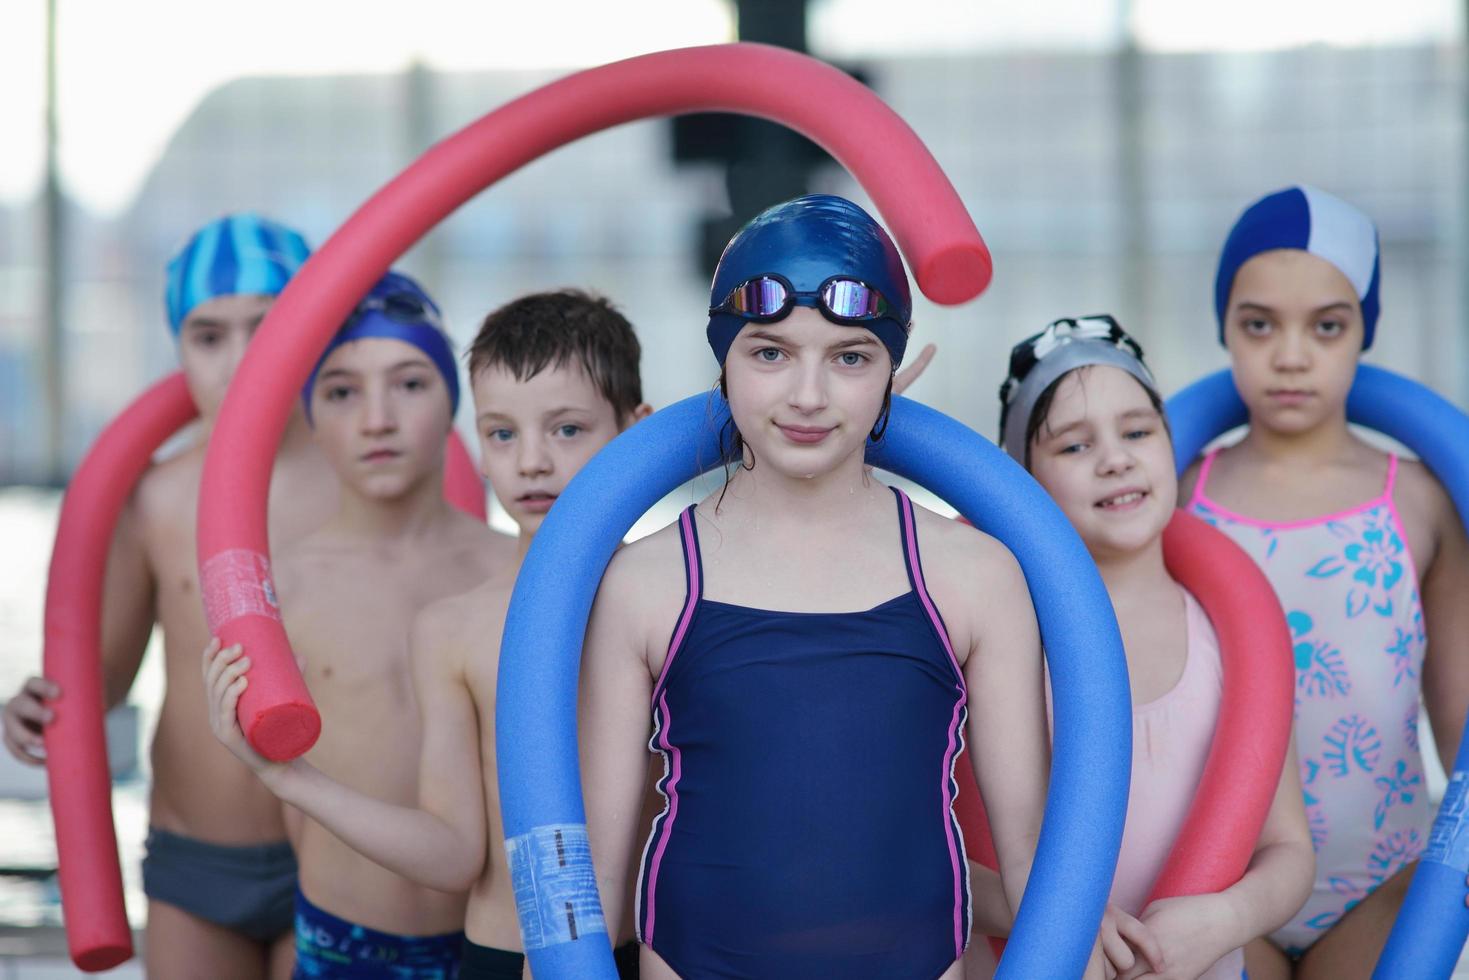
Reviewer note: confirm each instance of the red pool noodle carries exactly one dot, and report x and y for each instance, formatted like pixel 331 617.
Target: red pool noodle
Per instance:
pixel 1252 735
pixel 463 486
pixel 97 931
pixel 929 222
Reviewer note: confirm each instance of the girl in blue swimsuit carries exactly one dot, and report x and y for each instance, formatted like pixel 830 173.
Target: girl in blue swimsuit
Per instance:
pixel 808 651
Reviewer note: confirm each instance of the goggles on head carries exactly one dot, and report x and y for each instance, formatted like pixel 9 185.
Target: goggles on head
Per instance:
pixel 1058 334
pixel 769 297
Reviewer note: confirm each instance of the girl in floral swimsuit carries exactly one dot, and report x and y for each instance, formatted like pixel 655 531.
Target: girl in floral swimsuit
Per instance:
pixel 1366 554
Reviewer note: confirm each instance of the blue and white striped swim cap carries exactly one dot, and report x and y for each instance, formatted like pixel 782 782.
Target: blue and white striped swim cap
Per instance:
pixel 239 254
pixel 1312 221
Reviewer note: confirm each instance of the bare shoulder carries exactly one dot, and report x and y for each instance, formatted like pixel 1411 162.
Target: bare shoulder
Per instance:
pixel 644 585
pixel 446 631
pixel 1419 489
pixel 484 549
pixel 168 491
pixel 651 561
pixel 1424 502
pixel 960 550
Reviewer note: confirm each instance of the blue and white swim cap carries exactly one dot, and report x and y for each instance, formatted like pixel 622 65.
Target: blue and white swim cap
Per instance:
pixel 1312 221
pixel 396 308
pixel 239 254
pixel 808 243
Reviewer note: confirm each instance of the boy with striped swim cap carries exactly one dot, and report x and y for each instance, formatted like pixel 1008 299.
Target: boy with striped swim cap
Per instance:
pixel 219 874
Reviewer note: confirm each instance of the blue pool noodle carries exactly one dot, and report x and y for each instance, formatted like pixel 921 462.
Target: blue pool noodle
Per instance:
pixel 1429 933
pixel 535 718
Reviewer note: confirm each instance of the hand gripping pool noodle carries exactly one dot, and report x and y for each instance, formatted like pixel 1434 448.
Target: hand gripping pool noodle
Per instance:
pixel 541 651
pixel 1216 841
pixel 97 932
pixel 76 747
pixel 923 210
pixel 1433 922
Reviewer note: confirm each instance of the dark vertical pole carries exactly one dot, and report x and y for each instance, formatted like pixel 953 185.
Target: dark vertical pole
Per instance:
pixel 53 373
pixel 1131 167
pixel 419 132
pixel 771 166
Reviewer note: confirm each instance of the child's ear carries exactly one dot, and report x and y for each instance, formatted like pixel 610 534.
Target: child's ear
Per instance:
pixel 635 416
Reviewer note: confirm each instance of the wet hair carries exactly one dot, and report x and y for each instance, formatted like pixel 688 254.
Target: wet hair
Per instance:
pixel 555 329
pixel 1042 409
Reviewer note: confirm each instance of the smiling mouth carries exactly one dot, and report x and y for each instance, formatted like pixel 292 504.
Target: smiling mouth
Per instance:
pixel 805 433
pixel 1122 500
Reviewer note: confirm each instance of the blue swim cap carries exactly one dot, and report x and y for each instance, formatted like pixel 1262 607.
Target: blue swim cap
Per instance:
pixel 239 254
pixel 396 308
pixel 1312 221
pixel 807 241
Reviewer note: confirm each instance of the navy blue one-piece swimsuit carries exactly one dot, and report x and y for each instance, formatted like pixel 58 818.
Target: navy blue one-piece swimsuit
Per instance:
pixel 809 828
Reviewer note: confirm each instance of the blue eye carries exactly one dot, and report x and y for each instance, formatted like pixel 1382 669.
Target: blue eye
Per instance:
pixel 568 430
pixel 499 435
pixel 769 354
pixel 852 358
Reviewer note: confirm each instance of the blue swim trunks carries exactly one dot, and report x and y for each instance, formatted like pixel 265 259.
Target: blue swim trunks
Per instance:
pixel 329 948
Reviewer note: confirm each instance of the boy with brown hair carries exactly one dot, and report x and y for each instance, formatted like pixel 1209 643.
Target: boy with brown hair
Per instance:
pixel 555 378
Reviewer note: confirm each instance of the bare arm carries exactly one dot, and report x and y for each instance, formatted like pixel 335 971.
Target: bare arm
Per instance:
pixel 129 594
pixel 614 720
pixel 441 842
pixel 1007 720
pixel 1445 588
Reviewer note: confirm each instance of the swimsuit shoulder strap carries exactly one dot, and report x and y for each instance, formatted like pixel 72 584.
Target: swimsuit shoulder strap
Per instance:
pixel 1199 496
pixel 908 529
pixel 688 536
pixel 1392 476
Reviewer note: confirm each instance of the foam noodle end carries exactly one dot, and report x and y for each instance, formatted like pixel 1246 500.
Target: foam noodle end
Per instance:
pixel 95 959
pixel 284 731
pixel 956 273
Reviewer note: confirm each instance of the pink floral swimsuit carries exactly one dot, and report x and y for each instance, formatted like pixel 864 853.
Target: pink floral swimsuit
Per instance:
pixel 1349 588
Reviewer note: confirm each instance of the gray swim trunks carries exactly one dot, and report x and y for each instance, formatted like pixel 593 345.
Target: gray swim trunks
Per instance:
pixel 248 889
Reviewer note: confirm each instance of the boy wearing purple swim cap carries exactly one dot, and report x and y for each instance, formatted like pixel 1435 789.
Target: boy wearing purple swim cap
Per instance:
pixel 1365 553
pixel 219 874
pixel 555 378
pixel 381 404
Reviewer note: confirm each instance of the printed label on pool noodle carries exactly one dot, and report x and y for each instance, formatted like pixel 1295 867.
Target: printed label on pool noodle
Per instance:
pixel 237 583
pixel 555 887
pixel 1448 841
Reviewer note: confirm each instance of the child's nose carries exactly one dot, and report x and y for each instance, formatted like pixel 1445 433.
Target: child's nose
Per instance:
pixel 533 459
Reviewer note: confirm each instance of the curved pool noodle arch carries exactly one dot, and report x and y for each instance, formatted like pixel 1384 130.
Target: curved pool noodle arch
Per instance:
pixel 934 231
pixel 97 932
pixel 1214 846
pixel 1429 934
pixel 540 656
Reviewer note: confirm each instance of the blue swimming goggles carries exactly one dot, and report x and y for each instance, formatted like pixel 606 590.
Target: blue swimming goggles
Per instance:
pixel 770 297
